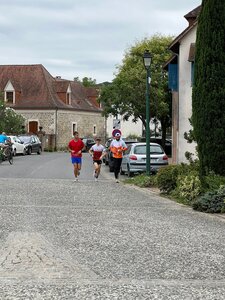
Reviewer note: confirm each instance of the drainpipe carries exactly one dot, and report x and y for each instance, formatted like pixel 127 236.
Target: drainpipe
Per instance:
pixel 56 127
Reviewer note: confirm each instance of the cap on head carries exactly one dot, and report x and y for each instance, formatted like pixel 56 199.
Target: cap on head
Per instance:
pixel 116 133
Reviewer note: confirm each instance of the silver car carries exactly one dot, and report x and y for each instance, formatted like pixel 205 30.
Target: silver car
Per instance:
pixel 134 159
pixel 17 145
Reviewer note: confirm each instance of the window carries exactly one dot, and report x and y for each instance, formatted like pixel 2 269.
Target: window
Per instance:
pixel 154 149
pixel 68 98
pixel 94 129
pixel 74 127
pixel 9 97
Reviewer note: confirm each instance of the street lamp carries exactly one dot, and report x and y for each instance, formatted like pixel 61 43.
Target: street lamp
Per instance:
pixel 147 58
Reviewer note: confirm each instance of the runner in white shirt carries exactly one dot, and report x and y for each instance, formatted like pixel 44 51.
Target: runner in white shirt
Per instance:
pixel 97 151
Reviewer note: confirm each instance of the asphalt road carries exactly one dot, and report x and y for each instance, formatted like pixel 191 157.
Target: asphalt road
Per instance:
pixel 51 166
pixel 101 240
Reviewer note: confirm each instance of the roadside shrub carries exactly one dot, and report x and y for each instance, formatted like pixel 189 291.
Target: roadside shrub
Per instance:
pixel 211 202
pixel 189 186
pixel 167 178
pixel 143 180
pixel 213 182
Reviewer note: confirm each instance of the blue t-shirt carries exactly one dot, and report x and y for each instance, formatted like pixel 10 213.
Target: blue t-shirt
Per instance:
pixel 3 138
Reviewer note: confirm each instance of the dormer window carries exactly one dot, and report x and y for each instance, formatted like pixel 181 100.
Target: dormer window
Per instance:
pixel 68 95
pixel 9 93
pixel 9 97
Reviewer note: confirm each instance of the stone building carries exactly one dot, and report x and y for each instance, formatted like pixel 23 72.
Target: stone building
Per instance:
pixel 55 106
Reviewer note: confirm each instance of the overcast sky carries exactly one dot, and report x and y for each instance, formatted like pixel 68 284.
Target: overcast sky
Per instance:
pixel 78 38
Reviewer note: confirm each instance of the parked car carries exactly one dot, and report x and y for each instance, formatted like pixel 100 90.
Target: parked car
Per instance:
pixel 88 142
pixel 32 143
pixel 168 144
pixel 158 140
pixel 134 159
pixel 18 146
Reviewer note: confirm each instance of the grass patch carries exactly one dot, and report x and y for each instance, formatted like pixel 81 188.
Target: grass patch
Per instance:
pixel 142 180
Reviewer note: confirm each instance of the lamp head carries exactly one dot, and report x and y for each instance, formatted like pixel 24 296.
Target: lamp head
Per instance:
pixel 147 59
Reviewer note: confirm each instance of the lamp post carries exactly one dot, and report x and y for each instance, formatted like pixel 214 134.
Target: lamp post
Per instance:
pixel 147 57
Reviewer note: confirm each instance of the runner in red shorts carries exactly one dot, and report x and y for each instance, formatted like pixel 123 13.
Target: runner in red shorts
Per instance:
pixel 97 152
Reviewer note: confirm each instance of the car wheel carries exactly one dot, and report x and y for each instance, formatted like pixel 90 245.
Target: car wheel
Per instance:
pixel 121 171
pixel 39 151
pixel 14 152
pixel 29 151
pixel 129 173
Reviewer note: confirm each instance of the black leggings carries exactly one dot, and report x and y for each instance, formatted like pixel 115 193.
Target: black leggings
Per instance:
pixel 117 164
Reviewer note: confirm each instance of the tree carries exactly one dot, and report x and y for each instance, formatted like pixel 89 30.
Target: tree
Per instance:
pixel 86 81
pixel 10 121
pixel 126 94
pixel 208 99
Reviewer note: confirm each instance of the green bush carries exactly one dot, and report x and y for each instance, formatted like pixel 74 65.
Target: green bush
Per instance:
pixel 167 178
pixel 213 182
pixel 189 186
pixel 211 202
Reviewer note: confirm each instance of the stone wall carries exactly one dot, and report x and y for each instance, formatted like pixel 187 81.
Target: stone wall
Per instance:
pixel 84 123
pixel 45 119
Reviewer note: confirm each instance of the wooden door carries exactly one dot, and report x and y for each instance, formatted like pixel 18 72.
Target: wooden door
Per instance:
pixel 33 127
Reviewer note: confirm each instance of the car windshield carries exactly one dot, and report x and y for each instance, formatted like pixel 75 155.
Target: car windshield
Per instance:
pixel 25 139
pixel 154 149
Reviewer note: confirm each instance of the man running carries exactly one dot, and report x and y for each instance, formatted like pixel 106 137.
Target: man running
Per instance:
pixel 117 147
pixel 75 147
pixel 97 151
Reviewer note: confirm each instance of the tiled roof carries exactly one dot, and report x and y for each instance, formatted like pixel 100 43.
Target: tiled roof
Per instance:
pixel 194 13
pixel 36 88
pixel 192 18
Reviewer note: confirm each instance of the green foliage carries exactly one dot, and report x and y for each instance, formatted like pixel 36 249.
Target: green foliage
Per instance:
pixel 189 186
pixel 86 81
pixel 143 181
pixel 167 178
pixel 126 94
pixel 212 182
pixel 132 137
pixel 211 202
pixel 208 100
pixel 10 121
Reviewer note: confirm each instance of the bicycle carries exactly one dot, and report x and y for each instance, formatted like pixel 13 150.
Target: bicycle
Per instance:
pixel 6 154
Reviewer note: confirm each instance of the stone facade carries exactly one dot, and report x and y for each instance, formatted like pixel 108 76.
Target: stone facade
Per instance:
pixel 62 123
pixel 89 124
